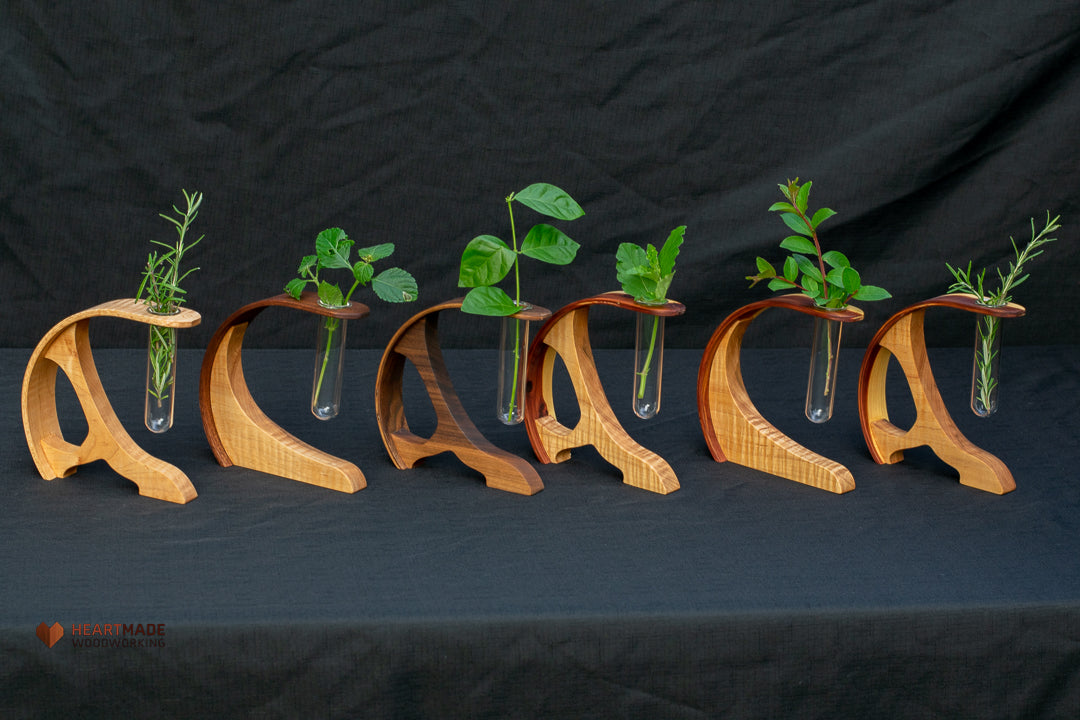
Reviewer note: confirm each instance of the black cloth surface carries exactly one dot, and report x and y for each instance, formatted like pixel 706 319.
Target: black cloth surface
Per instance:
pixel 429 595
pixel 934 130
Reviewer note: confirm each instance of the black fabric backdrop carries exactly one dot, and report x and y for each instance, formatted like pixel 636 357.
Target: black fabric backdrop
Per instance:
pixel 935 130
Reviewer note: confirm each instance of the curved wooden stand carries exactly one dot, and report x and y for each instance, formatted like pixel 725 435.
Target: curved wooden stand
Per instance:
pixel 239 432
pixel 418 342
pixel 67 347
pixel 734 429
pixel 566 334
pixel 902 337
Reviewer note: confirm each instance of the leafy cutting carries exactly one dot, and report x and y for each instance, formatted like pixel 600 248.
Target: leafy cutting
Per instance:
pixel 989 326
pixel 646 274
pixel 486 260
pixel 332 250
pixel 832 288
pixel 164 295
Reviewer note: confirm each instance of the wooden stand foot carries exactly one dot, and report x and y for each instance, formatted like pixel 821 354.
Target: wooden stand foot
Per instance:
pixel 239 432
pixel 418 342
pixel 901 337
pixel 67 348
pixel 734 429
pixel 566 334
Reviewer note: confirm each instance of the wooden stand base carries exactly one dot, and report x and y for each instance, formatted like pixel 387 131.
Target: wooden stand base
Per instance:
pixel 902 337
pixel 566 334
pixel 67 347
pixel 239 432
pixel 418 342
pixel 734 429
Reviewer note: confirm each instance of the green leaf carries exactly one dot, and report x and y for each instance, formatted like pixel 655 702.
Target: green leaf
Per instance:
pixel 488 301
pixel 332 246
pixel 295 287
pixel 797 224
pixel 376 252
pixel 821 216
pixel 643 289
pixel 630 259
pixel 395 285
pixel 869 293
pixel 331 294
pixel 803 197
pixel 791 269
pixel 787 207
pixel 548 244
pixel 798 244
pixel 779 284
pixel 836 259
pixel 808 267
pixel 812 287
pixel 851 280
pixel 549 200
pixel 485 261
pixel 362 272
pixel 670 251
pixel 765 268
pixel 306 263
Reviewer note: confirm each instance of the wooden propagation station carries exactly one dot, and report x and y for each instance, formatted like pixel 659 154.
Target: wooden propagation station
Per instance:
pixel 734 429
pixel 238 431
pixel 902 337
pixel 66 347
pixel 417 341
pixel 566 335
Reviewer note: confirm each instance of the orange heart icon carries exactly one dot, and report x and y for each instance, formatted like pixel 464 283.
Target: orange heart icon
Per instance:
pixel 50 635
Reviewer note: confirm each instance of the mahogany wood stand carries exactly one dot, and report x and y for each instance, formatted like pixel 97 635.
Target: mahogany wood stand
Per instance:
pixel 902 337
pixel 418 342
pixel 239 432
pixel 67 347
pixel 734 429
pixel 566 334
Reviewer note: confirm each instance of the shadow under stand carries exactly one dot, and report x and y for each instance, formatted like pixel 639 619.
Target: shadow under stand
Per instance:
pixel 902 337
pixel 417 341
pixel 66 347
pixel 566 335
pixel 239 432
pixel 734 429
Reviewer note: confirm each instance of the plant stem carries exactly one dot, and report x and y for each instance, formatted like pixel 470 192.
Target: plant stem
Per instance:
pixel 331 327
pixel 517 301
pixel 648 359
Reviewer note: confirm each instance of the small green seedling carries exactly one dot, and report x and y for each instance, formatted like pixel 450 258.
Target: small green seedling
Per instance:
pixel 833 288
pixel 646 274
pixel 486 260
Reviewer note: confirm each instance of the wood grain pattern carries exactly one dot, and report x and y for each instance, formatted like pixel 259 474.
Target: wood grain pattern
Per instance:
pixel 734 429
pixel 417 341
pixel 566 335
pixel 239 432
pixel 66 347
pixel 902 337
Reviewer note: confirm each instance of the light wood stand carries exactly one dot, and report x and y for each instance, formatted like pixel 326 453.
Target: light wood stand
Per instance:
pixel 734 429
pixel 902 337
pixel 418 342
pixel 566 334
pixel 67 347
pixel 239 432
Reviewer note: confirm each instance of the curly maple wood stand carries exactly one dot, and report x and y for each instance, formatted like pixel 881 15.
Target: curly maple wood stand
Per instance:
pixel 239 432
pixel 734 429
pixel 67 347
pixel 418 342
pixel 902 337
pixel 566 334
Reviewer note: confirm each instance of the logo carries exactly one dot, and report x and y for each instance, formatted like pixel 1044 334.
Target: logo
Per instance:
pixel 50 635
